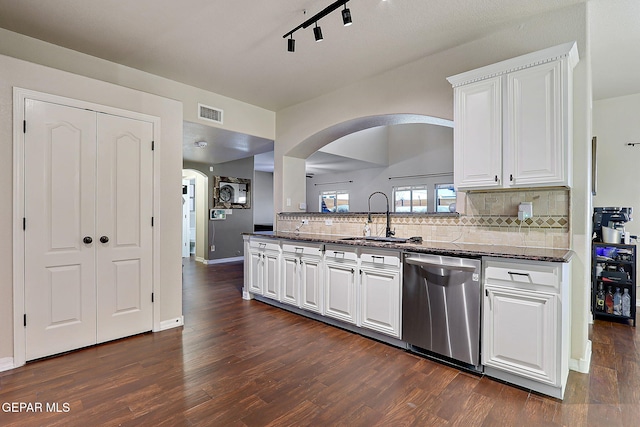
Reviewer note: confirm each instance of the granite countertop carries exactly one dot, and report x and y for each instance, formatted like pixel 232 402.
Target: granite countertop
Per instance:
pixel 471 250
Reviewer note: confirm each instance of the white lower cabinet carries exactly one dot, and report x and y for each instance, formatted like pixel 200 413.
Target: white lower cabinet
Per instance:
pixel 301 281
pixel 380 300
pixel 264 268
pixel 525 328
pixel 340 291
pixel 521 335
pixel 290 279
pixel 311 284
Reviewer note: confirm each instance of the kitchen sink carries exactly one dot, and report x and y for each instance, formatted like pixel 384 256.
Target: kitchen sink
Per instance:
pixel 379 239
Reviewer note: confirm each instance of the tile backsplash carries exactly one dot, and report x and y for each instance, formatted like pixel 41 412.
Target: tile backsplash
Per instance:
pixel 484 217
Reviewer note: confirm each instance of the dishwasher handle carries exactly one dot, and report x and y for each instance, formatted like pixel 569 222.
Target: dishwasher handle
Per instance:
pixel 426 263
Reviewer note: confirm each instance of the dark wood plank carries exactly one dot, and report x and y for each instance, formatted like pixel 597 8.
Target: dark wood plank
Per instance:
pixel 246 363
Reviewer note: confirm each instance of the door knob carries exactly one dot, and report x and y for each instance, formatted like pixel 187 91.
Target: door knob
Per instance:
pixel 104 239
pixel 87 240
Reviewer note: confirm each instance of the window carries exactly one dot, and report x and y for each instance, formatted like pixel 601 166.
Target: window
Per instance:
pixel 411 198
pixel 445 198
pixel 334 201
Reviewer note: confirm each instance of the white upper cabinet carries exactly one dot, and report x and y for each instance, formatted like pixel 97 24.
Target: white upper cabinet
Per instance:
pixel 513 120
pixel 478 137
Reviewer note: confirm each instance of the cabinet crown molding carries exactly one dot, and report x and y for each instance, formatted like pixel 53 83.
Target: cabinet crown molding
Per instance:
pixel 567 51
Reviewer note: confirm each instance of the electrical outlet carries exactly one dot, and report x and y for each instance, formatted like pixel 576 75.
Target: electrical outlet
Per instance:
pixel 305 222
pixel 328 222
pixel 288 201
pixel 213 248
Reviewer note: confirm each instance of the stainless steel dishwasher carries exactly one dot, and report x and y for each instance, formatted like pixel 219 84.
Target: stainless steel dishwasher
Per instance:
pixel 441 307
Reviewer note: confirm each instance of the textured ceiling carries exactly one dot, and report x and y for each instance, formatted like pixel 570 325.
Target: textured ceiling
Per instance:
pixel 235 48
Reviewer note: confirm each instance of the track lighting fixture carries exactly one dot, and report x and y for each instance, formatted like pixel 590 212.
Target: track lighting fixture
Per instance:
pixel 346 16
pixel 317 32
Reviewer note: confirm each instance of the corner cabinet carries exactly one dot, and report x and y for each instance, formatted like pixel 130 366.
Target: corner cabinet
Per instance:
pixel 513 121
pixel 525 324
pixel 264 268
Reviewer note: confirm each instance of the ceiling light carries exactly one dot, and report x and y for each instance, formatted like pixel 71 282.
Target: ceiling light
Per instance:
pixel 291 44
pixel 346 16
pixel 200 144
pixel 317 33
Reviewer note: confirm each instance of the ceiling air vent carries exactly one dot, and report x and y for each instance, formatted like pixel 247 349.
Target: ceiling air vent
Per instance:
pixel 209 113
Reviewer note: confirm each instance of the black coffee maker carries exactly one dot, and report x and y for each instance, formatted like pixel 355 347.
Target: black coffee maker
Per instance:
pixel 612 217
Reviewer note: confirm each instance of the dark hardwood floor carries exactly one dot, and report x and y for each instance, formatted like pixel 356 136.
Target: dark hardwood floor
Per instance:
pixel 245 363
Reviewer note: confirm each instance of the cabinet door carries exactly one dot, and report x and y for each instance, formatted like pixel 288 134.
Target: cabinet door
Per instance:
pixel 255 272
pixel 536 146
pixel 380 303
pixel 271 280
pixel 290 279
pixel 478 135
pixel 340 296
pixel 519 333
pixel 311 284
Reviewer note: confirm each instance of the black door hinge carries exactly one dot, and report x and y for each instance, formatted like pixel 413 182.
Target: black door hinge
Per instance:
pixel 25 320
pixel 153 145
pixel 24 126
pixel 152 297
pixel 24 223
pixel 152 221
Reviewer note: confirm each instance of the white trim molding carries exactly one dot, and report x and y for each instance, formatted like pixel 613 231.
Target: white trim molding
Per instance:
pixel 224 260
pixel 566 50
pixel 6 364
pixel 171 323
pixel 582 365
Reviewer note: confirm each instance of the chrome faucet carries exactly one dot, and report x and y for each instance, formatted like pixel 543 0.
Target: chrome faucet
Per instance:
pixel 389 232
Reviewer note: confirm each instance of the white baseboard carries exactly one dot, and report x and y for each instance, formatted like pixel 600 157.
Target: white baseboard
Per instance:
pixel 224 260
pixel 6 364
pixel 172 323
pixel 582 365
pixel 200 259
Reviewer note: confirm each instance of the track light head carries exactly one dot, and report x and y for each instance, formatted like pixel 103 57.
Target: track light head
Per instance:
pixel 346 16
pixel 317 33
pixel 291 44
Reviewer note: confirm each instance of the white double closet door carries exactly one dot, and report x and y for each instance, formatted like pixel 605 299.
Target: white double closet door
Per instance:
pixel 88 236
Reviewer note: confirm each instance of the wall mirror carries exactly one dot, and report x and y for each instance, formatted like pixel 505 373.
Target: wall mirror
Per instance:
pixel 231 193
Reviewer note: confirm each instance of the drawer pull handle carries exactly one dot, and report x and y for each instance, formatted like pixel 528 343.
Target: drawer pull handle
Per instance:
pixel 374 257
pixel 299 249
pixel 262 245
pixel 518 274
pixel 336 253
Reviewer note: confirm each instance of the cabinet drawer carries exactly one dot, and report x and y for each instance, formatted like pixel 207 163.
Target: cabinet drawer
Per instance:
pixel 297 249
pixel 337 253
pixel 389 260
pixel 525 275
pixel 264 244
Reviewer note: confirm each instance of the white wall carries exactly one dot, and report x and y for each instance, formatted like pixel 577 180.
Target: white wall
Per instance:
pixel 38 78
pixel 369 145
pixel 262 198
pixel 616 121
pixel 238 116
